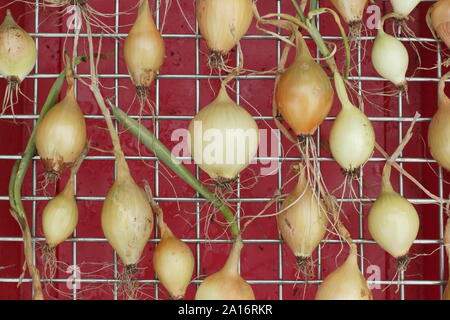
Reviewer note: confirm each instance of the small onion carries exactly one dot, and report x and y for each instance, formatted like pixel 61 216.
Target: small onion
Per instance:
pixel 223 138
pixel 127 217
pixel 61 135
pixel 144 50
pixel 404 7
pixel 439 129
pixel 352 138
pixel 173 262
pixel 60 216
pixel 390 59
pixel 438 19
pixel 226 284
pixel 17 56
pixel 302 222
pixel 222 24
pixel 304 94
pixel 345 283
pixel 352 11
pixel 393 221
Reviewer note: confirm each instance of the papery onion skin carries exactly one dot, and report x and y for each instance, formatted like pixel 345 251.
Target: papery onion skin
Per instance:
pixel 345 283
pixel 439 134
pixel 17 50
pixel 404 7
pixel 439 17
pixel 393 223
pixel 218 19
pixel 302 221
pixel 226 284
pixel 231 130
pixel 390 58
pixel 144 49
pixel 173 263
pixel 127 219
pixel 304 94
pixel 60 217
pixel 351 10
pixel 61 135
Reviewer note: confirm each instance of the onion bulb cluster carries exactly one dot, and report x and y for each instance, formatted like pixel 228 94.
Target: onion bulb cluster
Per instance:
pixel 390 58
pixel 61 135
pixel 346 282
pixel 439 129
pixel 127 217
pixel 302 222
pixel 223 138
pixel 304 94
pixel 222 24
pixel 438 19
pixel 144 50
pixel 404 7
pixel 173 262
pixel 352 138
pixel 17 56
pixel 393 221
pixel 226 284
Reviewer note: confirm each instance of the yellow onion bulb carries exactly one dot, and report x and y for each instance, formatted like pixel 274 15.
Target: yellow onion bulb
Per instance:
pixel 61 135
pixel 438 19
pixel 127 217
pixel 144 50
pixel 345 283
pixel 439 129
pixel 226 284
pixel 404 7
pixel 173 263
pixel 393 221
pixel 302 222
pixel 60 217
pixel 223 23
pixel 351 10
pixel 304 94
pixel 390 59
pixel 223 138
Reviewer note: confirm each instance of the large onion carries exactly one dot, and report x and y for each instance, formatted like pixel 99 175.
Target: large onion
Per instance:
pixel 223 138
pixel 226 284
pixel 346 282
pixel 304 95
pixel 302 221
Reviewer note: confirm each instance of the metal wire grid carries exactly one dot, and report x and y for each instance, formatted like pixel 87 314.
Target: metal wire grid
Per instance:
pixel 198 240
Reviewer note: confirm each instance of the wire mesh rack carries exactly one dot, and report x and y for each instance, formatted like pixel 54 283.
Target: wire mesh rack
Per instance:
pixel 277 283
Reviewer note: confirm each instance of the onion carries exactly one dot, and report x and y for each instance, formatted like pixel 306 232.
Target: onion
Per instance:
pixel 17 57
pixel 304 95
pixel 302 222
pixel 447 248
pixel 439 129
pixel 352 11
pixel 393 222
pixel 352 138
pixel 390 58
pixel 144 50
pixel 127 217
pixel 438 19
pixel 346 282
pixel 61 135
pixel 404 7
pixel 222 24
pixel 60 216
pixel 173 262
pixel 226 284
pixel 223 138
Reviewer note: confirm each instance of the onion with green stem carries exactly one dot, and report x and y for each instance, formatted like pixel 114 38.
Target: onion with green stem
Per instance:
pixel 17 58
pixel 393 221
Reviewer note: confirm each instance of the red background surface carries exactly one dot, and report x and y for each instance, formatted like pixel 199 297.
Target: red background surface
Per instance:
pixel 260 261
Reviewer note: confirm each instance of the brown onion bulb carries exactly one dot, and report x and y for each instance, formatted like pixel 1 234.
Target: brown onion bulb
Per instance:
pixel 351 10
pixel 438 19
pixel 304 94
